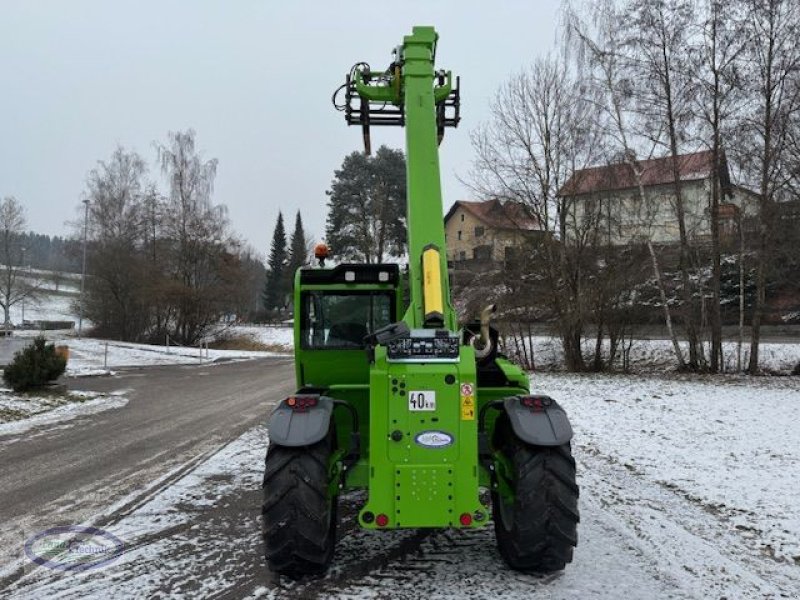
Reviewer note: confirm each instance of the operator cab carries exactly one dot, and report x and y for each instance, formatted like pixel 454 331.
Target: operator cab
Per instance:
pixel 341 319
pixel 337 309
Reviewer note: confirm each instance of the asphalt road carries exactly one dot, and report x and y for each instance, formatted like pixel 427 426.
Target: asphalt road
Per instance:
pixel 64 474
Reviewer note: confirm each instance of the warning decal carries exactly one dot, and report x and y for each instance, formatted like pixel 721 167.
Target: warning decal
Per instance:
pixel 467 402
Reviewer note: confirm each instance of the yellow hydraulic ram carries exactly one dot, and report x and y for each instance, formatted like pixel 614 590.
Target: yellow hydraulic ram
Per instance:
pixel 432 286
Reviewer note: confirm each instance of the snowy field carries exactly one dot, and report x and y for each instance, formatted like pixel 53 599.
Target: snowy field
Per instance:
pixel 89 356
pixel 50 307
pixel 656 356
pixel 688 490
pixel 279 338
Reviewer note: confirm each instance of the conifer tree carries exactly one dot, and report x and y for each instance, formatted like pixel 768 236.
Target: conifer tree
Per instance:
pixel 274 295
pixel 367 207
pixel 297 251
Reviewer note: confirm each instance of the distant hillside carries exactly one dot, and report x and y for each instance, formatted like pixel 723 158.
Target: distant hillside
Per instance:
pixel 51 253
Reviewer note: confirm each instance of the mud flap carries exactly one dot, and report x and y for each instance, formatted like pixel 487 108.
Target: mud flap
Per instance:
pixel 544 423
pixel 289 427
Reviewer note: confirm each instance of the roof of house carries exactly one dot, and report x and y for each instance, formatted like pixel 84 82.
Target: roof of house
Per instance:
pixel 655 171
pixel 728 211
pixel 497 214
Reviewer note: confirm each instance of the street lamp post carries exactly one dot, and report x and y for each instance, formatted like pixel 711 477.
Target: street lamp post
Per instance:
pixel 83 268
pixel 22 265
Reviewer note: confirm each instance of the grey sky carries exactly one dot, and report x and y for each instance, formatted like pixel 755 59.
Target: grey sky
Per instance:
pixel 254 79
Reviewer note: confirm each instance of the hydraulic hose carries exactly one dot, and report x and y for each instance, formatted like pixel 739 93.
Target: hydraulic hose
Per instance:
pixel 483 342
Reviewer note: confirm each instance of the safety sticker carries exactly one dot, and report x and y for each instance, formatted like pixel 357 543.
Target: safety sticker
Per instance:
pixel 467 402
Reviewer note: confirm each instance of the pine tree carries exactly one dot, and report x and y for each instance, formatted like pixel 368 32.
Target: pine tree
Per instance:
pixel 297 251
pixel 275 285
pixel 367 207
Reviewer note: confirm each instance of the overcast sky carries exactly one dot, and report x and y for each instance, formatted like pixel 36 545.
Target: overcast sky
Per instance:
pixel 254 79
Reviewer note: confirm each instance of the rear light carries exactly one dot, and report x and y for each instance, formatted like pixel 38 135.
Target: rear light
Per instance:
pixel 301 403
pixel 381 520
pixel 466 519
pixel 535 403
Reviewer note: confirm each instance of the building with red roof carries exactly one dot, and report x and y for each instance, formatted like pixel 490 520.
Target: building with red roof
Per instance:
pixel 488 231
pixel 608 197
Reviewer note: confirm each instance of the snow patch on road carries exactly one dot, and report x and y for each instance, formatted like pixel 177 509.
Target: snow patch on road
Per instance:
pixel 21 413
pixel 157 525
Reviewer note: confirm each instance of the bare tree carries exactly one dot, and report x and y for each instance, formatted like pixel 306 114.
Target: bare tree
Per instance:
pixel 606 69
pixel 116 299
pixel 719 53
pixel 540 131
pixel 774 97
pixel 657 36
pixel 160 265
pixel 205 273
pixel 15 285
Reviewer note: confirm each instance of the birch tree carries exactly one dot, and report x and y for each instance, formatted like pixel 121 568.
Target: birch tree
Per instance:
pixel 657 36
pixel 773 55
pixel 16 286
pixel 719 53
pixel 601 51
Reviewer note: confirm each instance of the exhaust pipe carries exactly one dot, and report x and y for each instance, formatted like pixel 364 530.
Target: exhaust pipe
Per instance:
pixel 483 342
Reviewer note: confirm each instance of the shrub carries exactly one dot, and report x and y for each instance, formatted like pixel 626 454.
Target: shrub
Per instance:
pixel 34 366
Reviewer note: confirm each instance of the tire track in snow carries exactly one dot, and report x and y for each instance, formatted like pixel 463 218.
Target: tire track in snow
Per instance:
pixel 695 546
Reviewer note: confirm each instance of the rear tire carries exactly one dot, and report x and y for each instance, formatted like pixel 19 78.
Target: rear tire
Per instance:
pixel 299 515
pixel 538 530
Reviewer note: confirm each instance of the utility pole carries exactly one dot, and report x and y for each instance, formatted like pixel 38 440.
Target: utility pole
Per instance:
pixel 83 268
pixel 22 266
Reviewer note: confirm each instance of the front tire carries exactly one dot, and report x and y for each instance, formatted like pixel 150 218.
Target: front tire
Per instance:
pixel 537 531
pixel 299 513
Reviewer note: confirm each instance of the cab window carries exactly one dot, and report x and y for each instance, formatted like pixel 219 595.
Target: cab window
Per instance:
pixel 341 320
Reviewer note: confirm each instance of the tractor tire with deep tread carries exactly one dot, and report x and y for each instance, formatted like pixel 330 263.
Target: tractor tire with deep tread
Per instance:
pixel 539 530
pixel 299 515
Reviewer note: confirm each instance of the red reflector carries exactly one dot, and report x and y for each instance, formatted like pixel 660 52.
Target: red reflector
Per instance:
pixel 537 404
pixel 381 520
pixel 306 401
pixel 301 403
pixel 466 519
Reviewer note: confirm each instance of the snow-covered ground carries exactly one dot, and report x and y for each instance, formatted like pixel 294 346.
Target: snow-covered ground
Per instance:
pixel 729 445
pixel 49 307
pixel 93 356
pixel 688 490
pixel 645 355
pixel 21 412
pixel 658 355
pixel 280 338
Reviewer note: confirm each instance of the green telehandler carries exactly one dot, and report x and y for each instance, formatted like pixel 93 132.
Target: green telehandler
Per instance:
pixel 399 400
